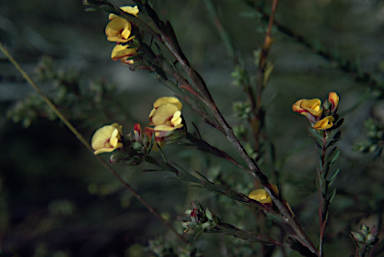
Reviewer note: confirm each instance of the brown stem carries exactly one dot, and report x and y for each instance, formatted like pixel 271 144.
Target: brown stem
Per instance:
pixel 254 170
pixel 84 142
pixel 261 73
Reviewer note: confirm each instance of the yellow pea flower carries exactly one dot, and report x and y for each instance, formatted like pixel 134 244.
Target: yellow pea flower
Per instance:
pixel 122 52
pixel 166 114
pixel 118 30
pixel 166 118
pixel 107 139
pixel 334 100
pixel 311 106
pixel 261 195
pixel 324 124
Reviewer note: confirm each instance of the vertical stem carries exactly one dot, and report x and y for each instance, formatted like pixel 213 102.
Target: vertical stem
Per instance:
pixel 322 185
pixel 260 76
pixel 85 143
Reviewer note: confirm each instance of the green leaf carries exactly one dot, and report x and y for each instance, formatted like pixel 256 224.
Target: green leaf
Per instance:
pixel 152 14
pixel 206 225
pixel 198 234
pixel 332 195
pixel 204 146
pixel 377 155
pixel 337 154
pixel 172 36
pixel 188 177
pixel 325 170
pixel 212 187
pixel 208 214
pixel 150 159
pixel 330 155
pixel 315 133
pixel 337 124
pixel 147 50
pixel 332 179
pixel 317 143
pixel 334 140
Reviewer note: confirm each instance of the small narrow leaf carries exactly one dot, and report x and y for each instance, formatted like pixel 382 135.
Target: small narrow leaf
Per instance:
pixel 330 155
pixel 335 139
pixel 315 140
pixel 188 177
pixel 332 195
pixel 332 179
pixel 337 154
pixel 315 133
pixel 151 13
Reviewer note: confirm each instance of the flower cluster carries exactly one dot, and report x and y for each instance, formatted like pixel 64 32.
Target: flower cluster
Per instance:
pixel 365 238
pixel 321 117
pixel 119 30
pixel 199 220
pixel 165 119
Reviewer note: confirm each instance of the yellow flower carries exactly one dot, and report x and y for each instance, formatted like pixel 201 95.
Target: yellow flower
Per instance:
pixel 123 52
pixel 134 10
pixel 325 123
pixel 107 139
pixel 166 114
pixel 308 106
pixel 334 100
pixel 261 195
pixel 118 30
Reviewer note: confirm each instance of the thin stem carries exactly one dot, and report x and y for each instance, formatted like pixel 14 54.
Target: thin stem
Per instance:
pixel 225 37
pixel 84 142
pixel 228 43
pixel 261 74
pixel 322 185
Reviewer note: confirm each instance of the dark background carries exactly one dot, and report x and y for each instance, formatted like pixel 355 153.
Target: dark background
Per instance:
pixel 56 200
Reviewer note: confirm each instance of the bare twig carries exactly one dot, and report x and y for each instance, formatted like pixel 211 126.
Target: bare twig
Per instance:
pixel 261 74
pixel 85 143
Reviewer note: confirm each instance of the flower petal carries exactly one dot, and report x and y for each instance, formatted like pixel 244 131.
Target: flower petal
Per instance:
pixel 312 106
pixel 134 10
pixel 260 195
pixel 334 100
pixel 167 100
pixel 121 51
pixel 164 113
pixel 118 30
pixel 325 123
pixel 164 128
